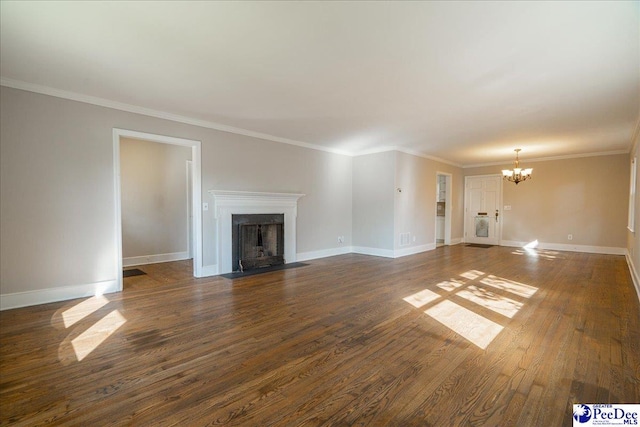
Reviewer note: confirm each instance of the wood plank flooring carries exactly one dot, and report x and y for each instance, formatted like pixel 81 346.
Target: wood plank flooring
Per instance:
pixel 451 337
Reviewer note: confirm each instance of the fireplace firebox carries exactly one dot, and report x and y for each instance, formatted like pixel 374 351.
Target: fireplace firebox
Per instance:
pixel 257 241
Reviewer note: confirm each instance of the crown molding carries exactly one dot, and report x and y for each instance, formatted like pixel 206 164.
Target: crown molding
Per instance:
pixel 405 151
pixel 102 102
pixel 426 156
pixel 545 159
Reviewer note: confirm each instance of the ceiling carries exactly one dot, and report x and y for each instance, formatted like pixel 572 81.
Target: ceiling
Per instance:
pixel 466 82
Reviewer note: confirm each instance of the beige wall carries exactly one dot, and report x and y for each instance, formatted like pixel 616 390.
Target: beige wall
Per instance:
pixel 586 197
pixel 57 205
pixel 381 213
pixel 57 210
pixel 415 206
pixel 373 193
pixel 153 182
pixel 236 162
pixel 633 237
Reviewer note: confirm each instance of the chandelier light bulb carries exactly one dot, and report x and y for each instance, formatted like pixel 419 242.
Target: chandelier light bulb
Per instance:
pixel 518 174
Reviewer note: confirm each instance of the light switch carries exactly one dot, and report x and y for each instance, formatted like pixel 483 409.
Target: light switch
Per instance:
pixel 205 206
pixel 507 207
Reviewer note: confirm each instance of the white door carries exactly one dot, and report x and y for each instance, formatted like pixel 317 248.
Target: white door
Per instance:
pixel 483 195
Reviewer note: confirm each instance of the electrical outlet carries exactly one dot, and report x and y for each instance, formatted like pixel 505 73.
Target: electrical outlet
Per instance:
pixel 570 237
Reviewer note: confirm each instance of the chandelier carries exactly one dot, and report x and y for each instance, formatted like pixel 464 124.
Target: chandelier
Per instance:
pixel 517 174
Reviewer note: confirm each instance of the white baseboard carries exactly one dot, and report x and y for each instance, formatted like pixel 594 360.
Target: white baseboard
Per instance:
pixel 634 274
pixel 154 259
pixel 569 248
pixel 209 270
pixel 306 256
pixel 456 241
pixel 44 296
pixel 412 250
pixel 387 253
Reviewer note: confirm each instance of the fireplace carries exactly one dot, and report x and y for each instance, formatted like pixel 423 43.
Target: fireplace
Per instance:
pixel 257 241
pixel 230 203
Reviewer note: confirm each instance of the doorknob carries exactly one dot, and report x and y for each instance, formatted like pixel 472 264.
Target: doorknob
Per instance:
pixel 496 215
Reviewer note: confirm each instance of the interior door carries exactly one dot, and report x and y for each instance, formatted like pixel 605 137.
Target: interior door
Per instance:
pixel 483 195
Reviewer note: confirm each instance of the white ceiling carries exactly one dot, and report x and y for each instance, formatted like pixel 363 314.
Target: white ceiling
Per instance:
pixel 462 81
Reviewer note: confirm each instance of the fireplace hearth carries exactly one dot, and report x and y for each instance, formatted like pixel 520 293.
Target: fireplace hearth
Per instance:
pixel 257 241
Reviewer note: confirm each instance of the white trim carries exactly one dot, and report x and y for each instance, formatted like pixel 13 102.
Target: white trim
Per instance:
pixel 412 250
pixel 154 259
pixel 228 203
pixel 405 151
pixel 323 253
pixel 398 253
pixel 102 102
pixel 252 198
pixel 196 159
pixel 209 270
pixel 457 241
pixel 387 253
pixel 632 194
pixel 118 210
pixel 447 205
pixel 607 250
pixel 545 159
pixel 44 296
pixel 634 274
pixel 189 178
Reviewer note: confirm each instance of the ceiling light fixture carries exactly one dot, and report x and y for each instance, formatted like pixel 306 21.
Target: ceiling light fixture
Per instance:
pixel 517 174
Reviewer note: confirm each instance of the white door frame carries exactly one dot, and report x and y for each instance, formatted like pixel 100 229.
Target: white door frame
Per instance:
pixel 189 173
pixel 466 201
pixel 196 193
pixel 447 207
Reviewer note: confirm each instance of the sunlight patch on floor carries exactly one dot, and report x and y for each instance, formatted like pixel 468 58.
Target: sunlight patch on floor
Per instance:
pixel 90 339
pixel 516 288
pixel 532 250
pixel 450 285
pixel 79 311
pixel 472 274
pixel 475 328
pixel 468 324
pixel 497 303
pixel 421 298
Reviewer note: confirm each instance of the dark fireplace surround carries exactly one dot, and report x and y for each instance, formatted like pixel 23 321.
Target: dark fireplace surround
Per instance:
pixel 257 241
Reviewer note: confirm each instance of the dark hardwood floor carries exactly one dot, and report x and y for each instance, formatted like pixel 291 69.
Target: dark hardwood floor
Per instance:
pixel 454 336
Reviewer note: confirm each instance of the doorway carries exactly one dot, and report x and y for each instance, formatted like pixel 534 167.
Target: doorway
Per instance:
pixel 443 209
pixel 194 194
pixel 190 239
pixel 482 214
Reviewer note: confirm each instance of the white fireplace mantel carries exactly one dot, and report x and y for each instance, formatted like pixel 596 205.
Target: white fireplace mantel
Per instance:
pixel 228 203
